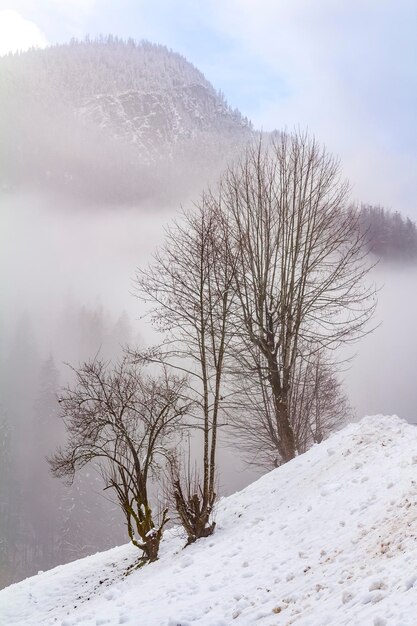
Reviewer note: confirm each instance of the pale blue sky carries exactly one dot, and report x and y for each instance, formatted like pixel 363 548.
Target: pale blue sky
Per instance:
pixel 345 69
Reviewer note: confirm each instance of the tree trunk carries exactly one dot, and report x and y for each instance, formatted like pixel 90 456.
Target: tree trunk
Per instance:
pixel 286 446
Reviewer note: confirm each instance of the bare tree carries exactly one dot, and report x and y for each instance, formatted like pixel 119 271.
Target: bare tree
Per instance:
pixel 317 403
pixel 317 406
pixel 123 420
pixel 189 286
pixel 259 284
pixel 300 264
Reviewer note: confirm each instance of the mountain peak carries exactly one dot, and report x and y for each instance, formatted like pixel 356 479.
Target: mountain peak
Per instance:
pixel 89 116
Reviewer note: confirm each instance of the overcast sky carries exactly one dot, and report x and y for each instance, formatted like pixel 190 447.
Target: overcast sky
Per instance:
pixel 346 70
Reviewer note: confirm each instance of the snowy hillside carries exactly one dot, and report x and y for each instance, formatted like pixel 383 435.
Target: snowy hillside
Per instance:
pixel 329 538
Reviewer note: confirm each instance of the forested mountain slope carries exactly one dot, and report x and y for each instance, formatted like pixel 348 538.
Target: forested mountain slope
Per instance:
pixel 112 121
pixel 390 236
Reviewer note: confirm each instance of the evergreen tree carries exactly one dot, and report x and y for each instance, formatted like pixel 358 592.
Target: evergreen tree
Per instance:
pixel 18 391
pixel 44 495
pixel 5 525
pixel 390 236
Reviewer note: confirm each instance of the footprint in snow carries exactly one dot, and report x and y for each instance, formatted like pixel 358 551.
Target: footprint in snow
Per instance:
pixel 326 490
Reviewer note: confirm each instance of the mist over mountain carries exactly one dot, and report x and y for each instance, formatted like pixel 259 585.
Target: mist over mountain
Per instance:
pixel 101 142
pixel 106 121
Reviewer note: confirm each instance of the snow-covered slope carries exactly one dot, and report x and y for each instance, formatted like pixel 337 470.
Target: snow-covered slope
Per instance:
pixel 156 122
pixel 329 538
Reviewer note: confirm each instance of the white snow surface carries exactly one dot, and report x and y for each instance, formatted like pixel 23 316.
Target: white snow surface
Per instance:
pixel 329 538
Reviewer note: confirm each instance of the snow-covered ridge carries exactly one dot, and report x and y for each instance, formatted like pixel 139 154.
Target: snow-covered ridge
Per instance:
pixel 329 538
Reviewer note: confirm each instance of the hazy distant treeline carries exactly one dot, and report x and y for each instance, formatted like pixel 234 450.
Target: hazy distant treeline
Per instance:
pixel 44 522
pixel 391 237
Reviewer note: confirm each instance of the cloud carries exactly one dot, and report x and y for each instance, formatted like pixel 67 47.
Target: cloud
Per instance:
pixel 18 34
pixel 59 19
